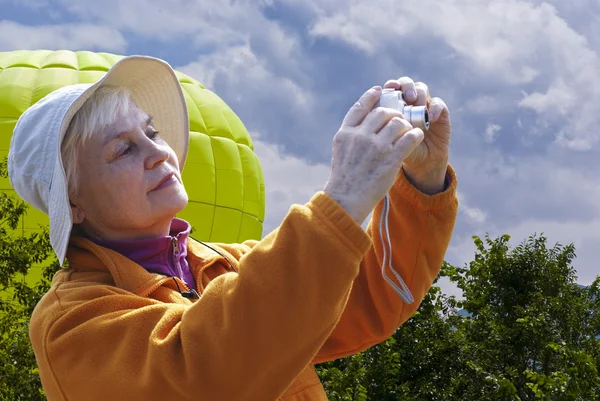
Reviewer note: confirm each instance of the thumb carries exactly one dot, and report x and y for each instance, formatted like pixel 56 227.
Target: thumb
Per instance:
pixel 362 107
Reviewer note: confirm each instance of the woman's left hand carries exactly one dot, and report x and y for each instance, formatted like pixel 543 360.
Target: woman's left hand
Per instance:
pixel 426 167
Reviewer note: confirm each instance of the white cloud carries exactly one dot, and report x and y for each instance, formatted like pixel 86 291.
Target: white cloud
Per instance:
pixel 215 23
pixel 15 36
pixel 518 44
pixel 267 99
pixel 530 194
pixel 473 214
pixel 558 99
pixel 154 19
pixel 248 77
pixel 484 104
pixel 489 34
pixel 490 132
pixel 288 180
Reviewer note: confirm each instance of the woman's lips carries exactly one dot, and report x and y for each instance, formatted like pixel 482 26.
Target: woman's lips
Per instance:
pixel 168 180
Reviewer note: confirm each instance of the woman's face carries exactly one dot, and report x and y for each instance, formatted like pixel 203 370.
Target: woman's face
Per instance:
pixel 129 184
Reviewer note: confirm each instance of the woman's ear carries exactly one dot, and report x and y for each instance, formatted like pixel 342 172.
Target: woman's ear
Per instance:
pixel 76 213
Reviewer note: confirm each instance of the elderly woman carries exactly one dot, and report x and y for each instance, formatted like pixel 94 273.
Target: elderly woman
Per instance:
pixel 145 312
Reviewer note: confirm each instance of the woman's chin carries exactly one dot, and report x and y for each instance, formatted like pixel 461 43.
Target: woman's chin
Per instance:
pixel 172 194
pixel 178 203
pixel 168 202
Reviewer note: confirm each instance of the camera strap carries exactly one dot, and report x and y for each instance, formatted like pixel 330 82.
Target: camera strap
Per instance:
pixel 401 290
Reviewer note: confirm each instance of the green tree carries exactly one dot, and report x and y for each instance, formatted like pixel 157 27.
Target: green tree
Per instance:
pixel 527 331
pixel 19 379
pixel 419 362
pixel 533 331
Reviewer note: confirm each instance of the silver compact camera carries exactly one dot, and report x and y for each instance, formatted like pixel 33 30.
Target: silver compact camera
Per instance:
pixel 417 116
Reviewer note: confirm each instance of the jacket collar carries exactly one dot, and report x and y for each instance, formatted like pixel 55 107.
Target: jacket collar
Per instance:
pixel 164 255
pixel 86 256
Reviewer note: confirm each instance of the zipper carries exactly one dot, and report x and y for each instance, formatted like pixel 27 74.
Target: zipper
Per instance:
pixel 175 244
pixel 189 293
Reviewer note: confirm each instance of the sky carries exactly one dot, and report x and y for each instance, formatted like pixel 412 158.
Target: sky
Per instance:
pixel 521 79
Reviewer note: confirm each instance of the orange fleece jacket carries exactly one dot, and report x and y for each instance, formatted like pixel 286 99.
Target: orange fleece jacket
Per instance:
pixel 308 292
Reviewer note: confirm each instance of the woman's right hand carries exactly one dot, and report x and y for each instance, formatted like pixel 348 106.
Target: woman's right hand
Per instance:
pixel 367 154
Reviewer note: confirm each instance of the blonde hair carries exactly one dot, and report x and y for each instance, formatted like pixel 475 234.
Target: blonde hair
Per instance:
pixel 99 111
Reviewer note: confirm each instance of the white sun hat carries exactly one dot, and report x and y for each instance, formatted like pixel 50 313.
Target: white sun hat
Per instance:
pixel 35 166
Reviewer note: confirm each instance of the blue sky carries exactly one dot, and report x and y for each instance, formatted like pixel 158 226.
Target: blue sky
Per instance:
pixel 521 79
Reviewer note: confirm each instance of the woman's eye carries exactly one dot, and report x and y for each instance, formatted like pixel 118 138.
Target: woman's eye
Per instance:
pixel 126 151
pixel 152 133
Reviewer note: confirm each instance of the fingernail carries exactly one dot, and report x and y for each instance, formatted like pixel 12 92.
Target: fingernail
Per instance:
pixel 376 88
pixel 412 94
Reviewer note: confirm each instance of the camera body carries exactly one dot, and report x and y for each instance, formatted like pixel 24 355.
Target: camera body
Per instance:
pixel 417 116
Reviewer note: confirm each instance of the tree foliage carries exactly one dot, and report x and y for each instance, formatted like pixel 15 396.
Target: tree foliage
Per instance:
pixel 19 379
pixel 524 330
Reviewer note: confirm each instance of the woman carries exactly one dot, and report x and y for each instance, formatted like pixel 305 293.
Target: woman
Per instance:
pixel 145 312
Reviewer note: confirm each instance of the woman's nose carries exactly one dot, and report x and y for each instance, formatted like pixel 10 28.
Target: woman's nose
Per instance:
pixel 159 153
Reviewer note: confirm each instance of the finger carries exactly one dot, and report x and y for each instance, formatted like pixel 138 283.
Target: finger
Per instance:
pixel 406 85
pixel 394 130
pixel 423 96
pixel 407 143
pixel 378 118
pixel 392 83
pixel 362 107
pixel 437 107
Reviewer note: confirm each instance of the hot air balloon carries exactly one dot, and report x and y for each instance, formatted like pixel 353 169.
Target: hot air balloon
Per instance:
pixel 222 175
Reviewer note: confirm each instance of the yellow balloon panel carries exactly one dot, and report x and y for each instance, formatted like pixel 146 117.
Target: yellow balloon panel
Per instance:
pixel 222 175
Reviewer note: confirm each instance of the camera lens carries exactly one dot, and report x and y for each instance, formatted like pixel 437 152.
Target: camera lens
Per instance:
pixel 417 116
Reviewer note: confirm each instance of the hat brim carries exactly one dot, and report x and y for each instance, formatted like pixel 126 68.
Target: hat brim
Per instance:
pixel 156 90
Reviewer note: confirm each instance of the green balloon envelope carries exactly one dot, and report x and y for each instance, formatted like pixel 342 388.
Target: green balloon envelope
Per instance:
pixel 222 175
